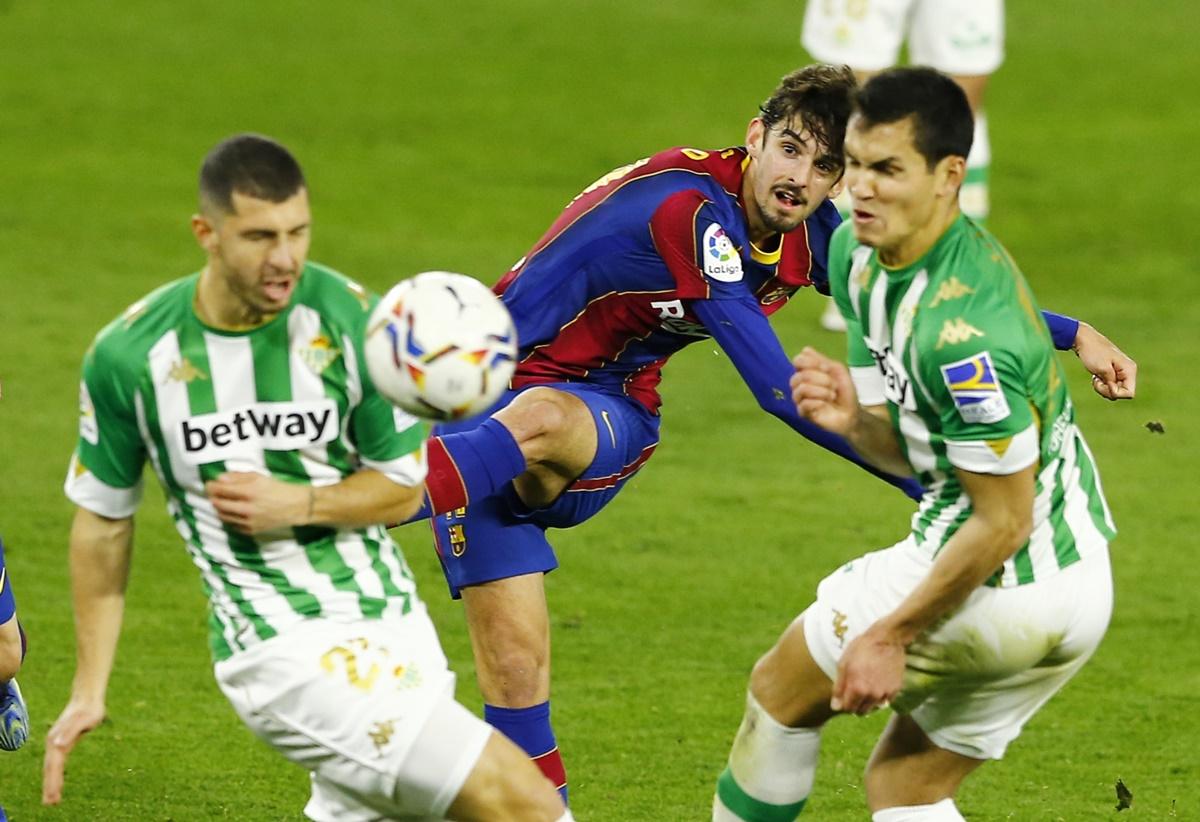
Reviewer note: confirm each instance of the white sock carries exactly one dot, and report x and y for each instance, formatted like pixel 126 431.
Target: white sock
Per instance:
pixel 566 817
pixel 973 197
pixel 944 811
pixel 771 767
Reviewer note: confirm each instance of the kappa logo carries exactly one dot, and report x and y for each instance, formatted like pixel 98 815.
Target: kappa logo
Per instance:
pixel 264 426
pixel 183 371
pixel 956 331
pixel 975 389
pixel 951 289
pixel 721 260
pixel 840 627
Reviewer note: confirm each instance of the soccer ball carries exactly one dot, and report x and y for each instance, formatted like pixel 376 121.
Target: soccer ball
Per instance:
pixel 441 346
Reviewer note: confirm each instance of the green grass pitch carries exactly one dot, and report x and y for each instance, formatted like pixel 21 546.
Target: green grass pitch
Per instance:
pixel 449 135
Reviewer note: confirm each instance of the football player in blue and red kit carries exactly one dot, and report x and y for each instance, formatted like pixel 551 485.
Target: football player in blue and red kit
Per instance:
pixel 679 247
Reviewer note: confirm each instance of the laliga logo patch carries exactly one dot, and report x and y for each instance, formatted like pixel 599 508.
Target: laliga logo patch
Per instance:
pixel 721 260
pixel 976 391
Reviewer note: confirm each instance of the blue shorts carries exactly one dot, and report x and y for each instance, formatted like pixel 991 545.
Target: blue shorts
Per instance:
pixel 8 605
pixel 500 537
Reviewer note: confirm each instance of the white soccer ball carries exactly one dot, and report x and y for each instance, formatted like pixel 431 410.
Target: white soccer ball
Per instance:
pixel 441 346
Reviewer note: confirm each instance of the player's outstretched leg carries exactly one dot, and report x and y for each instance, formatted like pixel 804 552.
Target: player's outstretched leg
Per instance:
pixel 910 779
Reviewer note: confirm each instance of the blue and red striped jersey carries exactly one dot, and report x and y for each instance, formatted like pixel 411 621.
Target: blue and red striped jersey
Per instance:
pixel 612 289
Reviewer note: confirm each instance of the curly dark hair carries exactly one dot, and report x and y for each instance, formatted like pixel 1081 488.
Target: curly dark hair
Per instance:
pixel 820 95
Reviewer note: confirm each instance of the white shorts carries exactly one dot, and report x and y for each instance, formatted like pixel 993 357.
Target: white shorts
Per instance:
pixel 963 37
pixel 974 680
pixel 368 708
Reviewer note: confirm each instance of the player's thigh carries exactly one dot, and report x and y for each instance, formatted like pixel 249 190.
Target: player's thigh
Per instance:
pixel 789 684
pixel 627 437
pixel 488 541
pixel 350 703
pixel 960 37
pixel 907 768
pixel 864 34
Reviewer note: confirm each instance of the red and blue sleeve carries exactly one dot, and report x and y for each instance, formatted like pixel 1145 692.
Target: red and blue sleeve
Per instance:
pixel 742 331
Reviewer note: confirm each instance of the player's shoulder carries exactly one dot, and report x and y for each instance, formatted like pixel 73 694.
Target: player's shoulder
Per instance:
pixel 129 336
pixel 972 303
pixel 336 297
pixel 710 170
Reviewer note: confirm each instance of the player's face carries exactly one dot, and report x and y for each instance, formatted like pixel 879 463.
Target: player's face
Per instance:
pixel 789 175
pixel 257 251
pixel 899 205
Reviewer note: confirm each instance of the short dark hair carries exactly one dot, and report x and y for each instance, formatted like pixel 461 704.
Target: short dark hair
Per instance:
pixel 249 164
pixel 942 122
pixel 820 95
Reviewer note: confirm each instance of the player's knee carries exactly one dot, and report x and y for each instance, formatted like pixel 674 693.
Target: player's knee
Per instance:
pixel 516 673
pixel 10 655
pixel 544 421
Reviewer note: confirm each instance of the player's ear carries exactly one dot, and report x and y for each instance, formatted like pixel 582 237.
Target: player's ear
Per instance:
pixel 205 232
pixel 754 136
pixel 837 188
pixel 950 172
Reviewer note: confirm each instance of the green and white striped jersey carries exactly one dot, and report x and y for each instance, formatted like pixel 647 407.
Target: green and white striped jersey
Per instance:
pixel 290 399
pixel 956 346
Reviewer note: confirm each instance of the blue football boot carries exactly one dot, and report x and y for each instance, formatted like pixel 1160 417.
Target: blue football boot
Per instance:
pixel 14 717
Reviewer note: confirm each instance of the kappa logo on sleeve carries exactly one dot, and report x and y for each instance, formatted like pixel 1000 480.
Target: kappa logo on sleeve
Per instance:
pixel 721 260
pixel 976 390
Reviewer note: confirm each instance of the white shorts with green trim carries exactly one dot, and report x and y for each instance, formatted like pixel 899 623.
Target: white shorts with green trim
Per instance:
pixel 964 37
pixel 367 708
pixel 976 678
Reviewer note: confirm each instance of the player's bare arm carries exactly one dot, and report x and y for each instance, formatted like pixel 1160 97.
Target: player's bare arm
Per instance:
pixel 824 393
pixel 1114 373
pixel 871 671
pixel 253 503
pixel 100 550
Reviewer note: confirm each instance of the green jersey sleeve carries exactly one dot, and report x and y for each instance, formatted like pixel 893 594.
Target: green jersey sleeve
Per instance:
pixel 971 368
pixel 106 471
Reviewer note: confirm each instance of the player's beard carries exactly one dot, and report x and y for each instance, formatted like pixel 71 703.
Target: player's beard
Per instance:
pixel 779 221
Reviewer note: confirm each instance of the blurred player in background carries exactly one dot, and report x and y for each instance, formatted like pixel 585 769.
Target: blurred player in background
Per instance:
pixel 962 38
pixel 245 379
pixel 683 246
pixel 1003 589
pixel 14 715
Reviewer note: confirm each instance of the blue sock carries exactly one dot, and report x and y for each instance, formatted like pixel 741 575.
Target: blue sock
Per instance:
pixel 469 466
pixel 530 729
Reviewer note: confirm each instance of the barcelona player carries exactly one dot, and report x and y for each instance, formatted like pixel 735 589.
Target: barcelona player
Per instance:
pixel 679 247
